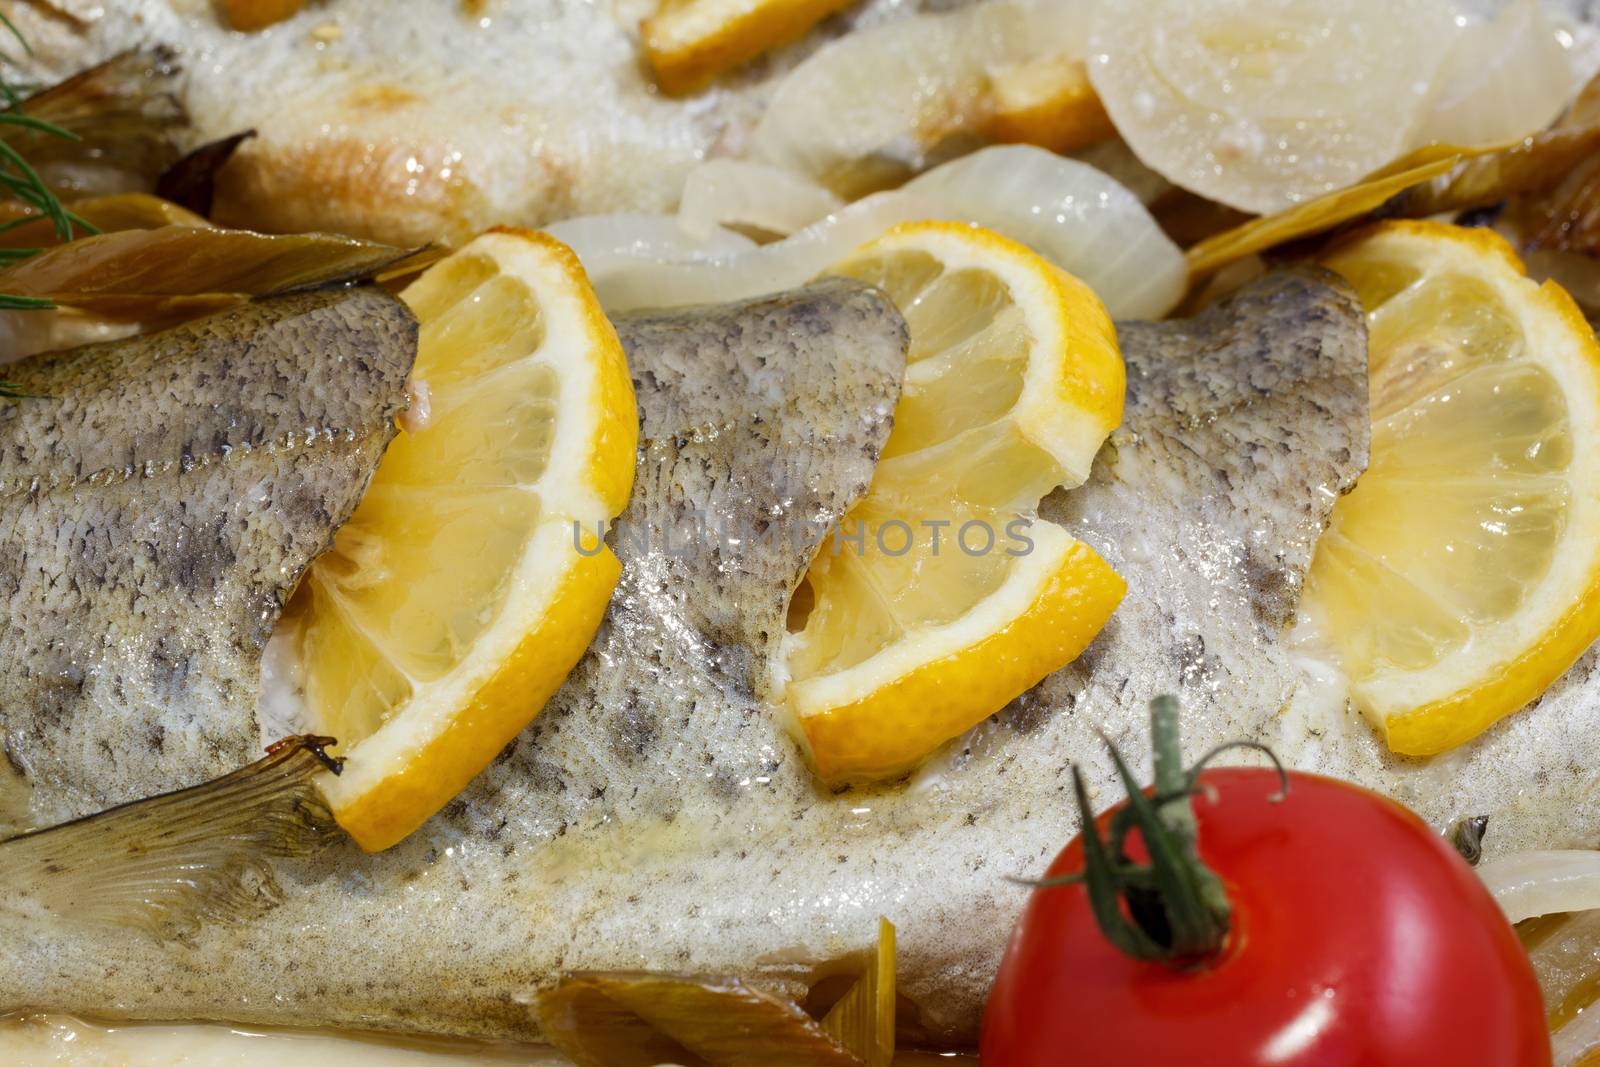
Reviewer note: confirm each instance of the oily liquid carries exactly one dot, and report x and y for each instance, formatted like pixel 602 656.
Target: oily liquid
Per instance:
pixel 66 1041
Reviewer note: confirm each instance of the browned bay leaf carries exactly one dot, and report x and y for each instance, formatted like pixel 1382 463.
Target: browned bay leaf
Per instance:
pixel 170 271
pixel 108 214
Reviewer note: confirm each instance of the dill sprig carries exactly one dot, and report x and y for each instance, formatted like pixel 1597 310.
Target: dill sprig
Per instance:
pixel 23 183
pixel 16 176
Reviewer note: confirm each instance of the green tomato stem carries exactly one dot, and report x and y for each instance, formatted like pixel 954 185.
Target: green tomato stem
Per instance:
pixel 1174 909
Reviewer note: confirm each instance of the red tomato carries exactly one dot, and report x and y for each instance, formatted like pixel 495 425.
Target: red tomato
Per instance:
pixel 1358 938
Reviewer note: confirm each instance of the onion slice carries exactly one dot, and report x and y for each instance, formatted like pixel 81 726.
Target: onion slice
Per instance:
pixel 735 192
pixel 1562 949
pixel 1075 216
pixel 864 111
pixel 869 109
pixel 1571 1045
pixel 1261 106
pixel 1503 80
pixel 602 241
pixel 1528 884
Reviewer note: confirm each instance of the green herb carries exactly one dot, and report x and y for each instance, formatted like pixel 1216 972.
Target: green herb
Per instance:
pixel 24 183
pixel 16 176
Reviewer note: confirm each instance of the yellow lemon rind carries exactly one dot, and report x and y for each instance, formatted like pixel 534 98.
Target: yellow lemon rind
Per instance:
pixel 1041 619
pixel 1458 718
pixel 452 727
pixel 606 453
pixel 1075 384
pixel 403 776
pixel 381 807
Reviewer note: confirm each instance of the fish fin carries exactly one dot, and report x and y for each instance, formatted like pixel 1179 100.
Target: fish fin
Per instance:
pixel 172 863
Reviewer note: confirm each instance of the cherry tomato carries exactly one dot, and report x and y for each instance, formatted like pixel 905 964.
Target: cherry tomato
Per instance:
pixel 1358 938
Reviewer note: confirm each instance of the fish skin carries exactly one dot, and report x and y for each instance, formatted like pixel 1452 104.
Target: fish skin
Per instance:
pixel 658 819
pixel 659 816
pixel 429 121
pixel 162 498
pixel 1281 423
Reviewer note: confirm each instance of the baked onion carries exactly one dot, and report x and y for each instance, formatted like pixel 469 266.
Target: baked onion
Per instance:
pixel 735 192
pixel 1529 884
pixel 1263 105
pixel 1504 79
pixel 1080 219
pixel 869 109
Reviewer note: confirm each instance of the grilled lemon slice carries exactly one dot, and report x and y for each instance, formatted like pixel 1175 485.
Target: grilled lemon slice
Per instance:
pixel 940 599
pixel 1462 575
pixel 459 595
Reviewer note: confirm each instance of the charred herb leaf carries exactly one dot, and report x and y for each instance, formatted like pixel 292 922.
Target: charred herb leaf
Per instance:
pixel 110 129
pixel 639 1019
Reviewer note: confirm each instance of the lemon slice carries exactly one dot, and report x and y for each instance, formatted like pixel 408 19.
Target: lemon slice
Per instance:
pixel 690 42
pixel 941 600
pixel 1462 575
pixel 458 596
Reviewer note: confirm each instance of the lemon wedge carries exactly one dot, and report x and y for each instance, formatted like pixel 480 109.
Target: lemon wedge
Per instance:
pixel 940 599
pixel 1462 575
pixel 690 42
pixel 458 596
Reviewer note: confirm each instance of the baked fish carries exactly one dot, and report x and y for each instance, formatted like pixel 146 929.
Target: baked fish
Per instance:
pixel 658 814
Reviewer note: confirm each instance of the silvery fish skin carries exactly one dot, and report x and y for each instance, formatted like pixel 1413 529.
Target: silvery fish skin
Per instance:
pixel 162 497
pixel 424 121
pixel 659 815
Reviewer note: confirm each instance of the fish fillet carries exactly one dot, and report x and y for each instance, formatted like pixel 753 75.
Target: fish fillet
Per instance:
pixel 162 498
pixel 659 815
